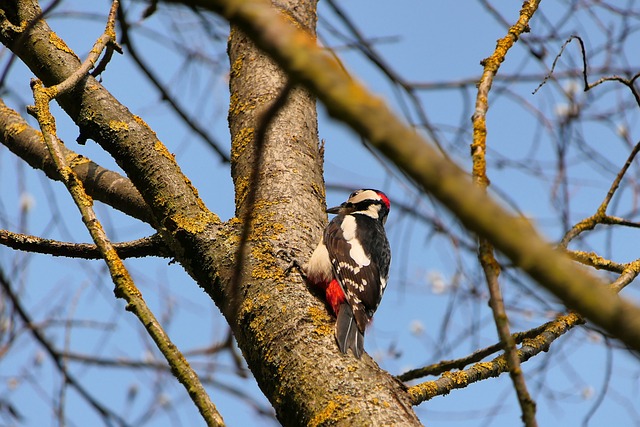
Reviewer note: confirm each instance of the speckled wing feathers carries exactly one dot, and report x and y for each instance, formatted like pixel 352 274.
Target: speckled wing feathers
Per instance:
pixel 352 262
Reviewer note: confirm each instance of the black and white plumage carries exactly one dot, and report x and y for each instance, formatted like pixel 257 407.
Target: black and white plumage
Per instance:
pixel 352 264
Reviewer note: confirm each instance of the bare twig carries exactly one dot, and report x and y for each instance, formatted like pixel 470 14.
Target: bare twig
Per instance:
pixel 107 414
pixel 601 217
pixel 486 254
pixel 483 370
pixel 165 94
pixel 628 82
pixel 147 246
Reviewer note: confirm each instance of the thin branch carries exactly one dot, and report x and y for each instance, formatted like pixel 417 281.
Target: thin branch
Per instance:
pixel 164 93
pixel 55 356
pixel 628 82
pixel 108 38
pixel 486 254
pixel 630 272
pixel 596 261
pixel 483 370
pixel 147 246
pixel 476 356
pixel 601 217
pixel 557 58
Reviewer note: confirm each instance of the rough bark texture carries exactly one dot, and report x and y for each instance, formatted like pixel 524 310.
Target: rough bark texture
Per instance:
pixel 285 333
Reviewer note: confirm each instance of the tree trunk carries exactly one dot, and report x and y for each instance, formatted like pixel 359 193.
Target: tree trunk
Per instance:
pixel 287 334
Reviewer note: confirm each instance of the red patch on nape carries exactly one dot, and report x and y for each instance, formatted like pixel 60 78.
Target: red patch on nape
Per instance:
pixel 335 296
pixel 385 199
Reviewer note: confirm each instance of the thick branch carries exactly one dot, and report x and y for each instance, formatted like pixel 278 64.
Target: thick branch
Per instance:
pixel 102 184
pixel 277 172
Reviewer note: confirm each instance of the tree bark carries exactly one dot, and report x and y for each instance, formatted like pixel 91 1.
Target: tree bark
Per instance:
pixel 290 335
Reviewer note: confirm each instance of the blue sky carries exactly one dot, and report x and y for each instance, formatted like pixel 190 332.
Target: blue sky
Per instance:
pixel 434 308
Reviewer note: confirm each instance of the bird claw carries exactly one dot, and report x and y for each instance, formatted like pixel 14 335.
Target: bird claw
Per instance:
pixel 290 257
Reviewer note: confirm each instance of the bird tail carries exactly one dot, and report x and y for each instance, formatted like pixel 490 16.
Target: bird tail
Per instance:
pixel 347 333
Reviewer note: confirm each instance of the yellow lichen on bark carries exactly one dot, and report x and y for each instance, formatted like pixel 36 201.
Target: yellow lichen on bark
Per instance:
pixel 15 129
pixel 265 266
pixel 144 124
pixel 242 187
pixel 458 377
pixel 60 44
pixel 240 142
pixel 75 159
pixel 236 67
pixel 237 107
pixel 42 96
pixel 265 230
pixel 194 224
pixel 319 317
pixel 537 342
pixel 334 411
pixel 424 391
pixel 162 149
pixel 118 126
pixel 484 365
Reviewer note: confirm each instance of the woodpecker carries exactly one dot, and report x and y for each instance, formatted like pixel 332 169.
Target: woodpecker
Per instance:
pixel 351 264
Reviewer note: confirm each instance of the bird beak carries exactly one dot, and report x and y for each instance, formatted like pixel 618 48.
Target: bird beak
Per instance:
pixel 335 210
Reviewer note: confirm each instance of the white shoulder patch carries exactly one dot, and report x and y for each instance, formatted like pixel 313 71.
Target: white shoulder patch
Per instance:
pixel 356 253
pixel 348 227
